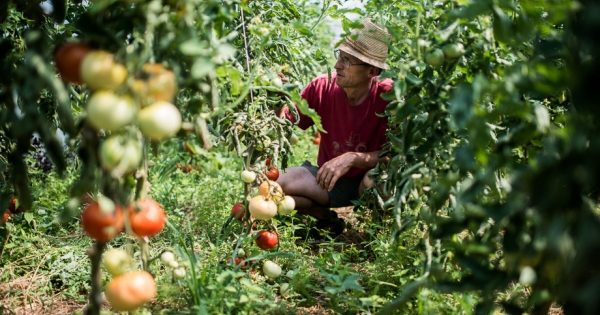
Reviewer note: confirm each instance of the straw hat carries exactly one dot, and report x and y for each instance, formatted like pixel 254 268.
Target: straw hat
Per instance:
pixel 368 44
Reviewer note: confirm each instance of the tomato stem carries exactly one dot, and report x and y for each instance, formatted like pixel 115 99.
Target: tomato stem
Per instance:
pixel 95 298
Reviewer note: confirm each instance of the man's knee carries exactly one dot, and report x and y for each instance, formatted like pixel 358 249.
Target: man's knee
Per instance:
pixel 366 182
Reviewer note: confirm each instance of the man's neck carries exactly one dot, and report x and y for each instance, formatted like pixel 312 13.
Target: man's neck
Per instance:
pixel 358 94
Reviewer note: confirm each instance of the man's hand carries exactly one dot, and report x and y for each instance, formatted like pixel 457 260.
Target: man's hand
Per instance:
pixel 331 171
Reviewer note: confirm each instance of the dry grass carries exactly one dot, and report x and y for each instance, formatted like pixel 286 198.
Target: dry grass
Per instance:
pixel 19 297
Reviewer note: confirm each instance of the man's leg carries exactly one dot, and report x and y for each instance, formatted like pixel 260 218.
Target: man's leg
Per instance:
pixel 300 184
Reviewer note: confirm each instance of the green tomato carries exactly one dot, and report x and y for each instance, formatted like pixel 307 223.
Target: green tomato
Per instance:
pixel 435 58
pixel 117 261
pixel 248 176
pixel 453 51
pixel 160 120
pixel 108 111
pixel 167 257
pixel 271 269
pixel 120 155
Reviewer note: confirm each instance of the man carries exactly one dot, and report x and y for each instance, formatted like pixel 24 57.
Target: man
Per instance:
pixel 348 106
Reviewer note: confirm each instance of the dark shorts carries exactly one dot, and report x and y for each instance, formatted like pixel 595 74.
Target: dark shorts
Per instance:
pixel 344 191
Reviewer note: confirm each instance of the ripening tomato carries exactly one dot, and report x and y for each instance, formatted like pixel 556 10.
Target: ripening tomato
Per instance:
pixel 271 189
pixel 272 173
pixel 100 71
pixel 160 120
pixel 266 239
pixel 238 208
pixel 149 220
pixel 102 223
pixel 317 141
pixel 262 208
pixel 68 58
pixel 129 291
pixel 7 215
pixel 161 82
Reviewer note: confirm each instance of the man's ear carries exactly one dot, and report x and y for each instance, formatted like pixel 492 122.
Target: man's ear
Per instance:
pixel 374 71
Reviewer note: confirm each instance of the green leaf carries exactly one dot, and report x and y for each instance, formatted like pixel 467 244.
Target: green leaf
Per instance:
pixel 193 47
pixel 351 283
pixel 461 106
pixel 28 217
pixel 202 67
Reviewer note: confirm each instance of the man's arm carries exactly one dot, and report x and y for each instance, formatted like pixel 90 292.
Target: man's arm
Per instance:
pixel 332 170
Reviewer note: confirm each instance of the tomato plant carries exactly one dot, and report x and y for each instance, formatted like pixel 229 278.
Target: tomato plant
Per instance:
pixel 102 223
pixel 147 218
pixel 266 239
pixel 68 58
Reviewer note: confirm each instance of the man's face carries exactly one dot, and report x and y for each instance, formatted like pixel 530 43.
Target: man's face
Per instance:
pixel 356 75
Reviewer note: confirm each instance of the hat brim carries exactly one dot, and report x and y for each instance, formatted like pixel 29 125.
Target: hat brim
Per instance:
pixel 351 51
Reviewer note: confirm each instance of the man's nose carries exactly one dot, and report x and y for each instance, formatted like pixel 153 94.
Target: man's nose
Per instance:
pixel 339 64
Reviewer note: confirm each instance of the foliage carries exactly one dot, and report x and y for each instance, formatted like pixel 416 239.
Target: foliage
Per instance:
pixel 486 147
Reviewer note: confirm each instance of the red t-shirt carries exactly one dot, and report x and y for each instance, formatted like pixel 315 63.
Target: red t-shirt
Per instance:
pixel 349 128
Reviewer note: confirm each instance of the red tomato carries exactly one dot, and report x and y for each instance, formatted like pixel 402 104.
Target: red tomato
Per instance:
pixel 266 239
pixel 268 161
pixel 101 226
pixel 68 59
pixel 6 216
pixel 238 261
pixel 12 207
pixel 237 208
pixel 272 173
pixel 317 141
pixel 149 220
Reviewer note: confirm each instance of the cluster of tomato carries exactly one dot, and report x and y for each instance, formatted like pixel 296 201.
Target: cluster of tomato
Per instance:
pixel 102 220
pixel 12 209
pixel 269 201
pixel 450 52
pixel 317 138
pixel 119 100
